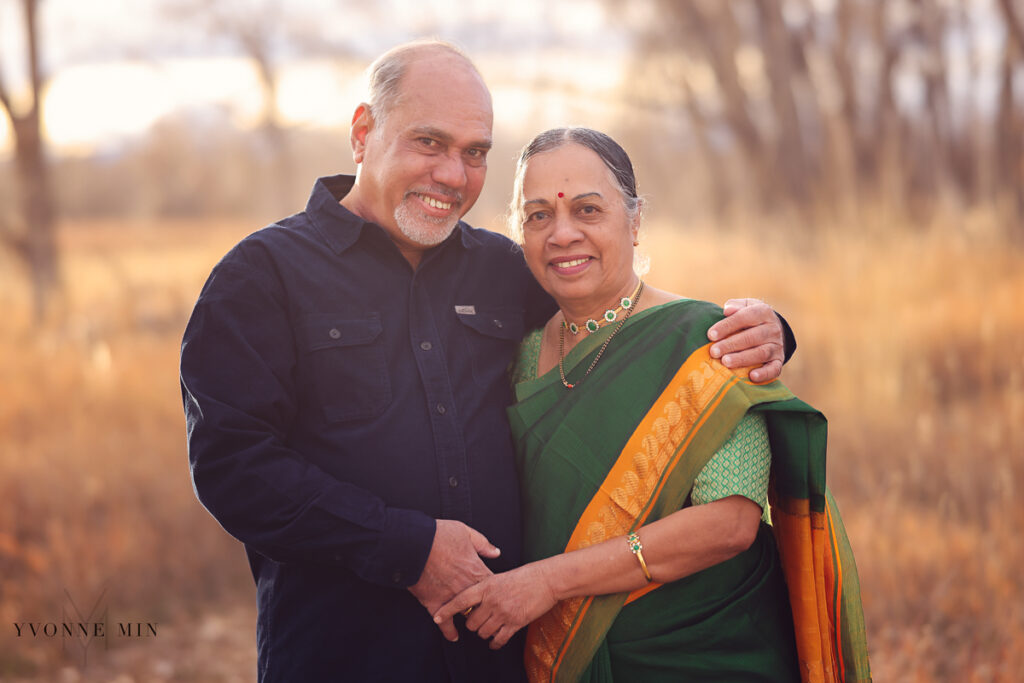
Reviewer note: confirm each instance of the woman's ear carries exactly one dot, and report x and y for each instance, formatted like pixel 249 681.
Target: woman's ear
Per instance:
pixel 634 223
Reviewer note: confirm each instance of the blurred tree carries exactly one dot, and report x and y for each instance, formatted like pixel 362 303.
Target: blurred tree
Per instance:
pixel 1010 147
pixel 31 232
pixel 257 30
pixel 828 106
pixel 267 33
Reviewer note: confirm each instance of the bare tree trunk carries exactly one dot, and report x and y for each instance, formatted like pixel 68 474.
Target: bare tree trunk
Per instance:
pixel 34 240
pixel 790 151
pixel 719 36
pixel 949 183
pixel 887 171
pixel 1009 148
pixel 860 149
pixel 256 47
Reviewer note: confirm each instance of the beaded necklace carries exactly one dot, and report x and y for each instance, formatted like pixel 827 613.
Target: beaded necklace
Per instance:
pixel 610 316
pixel 633 303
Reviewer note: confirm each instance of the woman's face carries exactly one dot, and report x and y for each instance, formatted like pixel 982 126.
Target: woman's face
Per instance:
pixel 577 237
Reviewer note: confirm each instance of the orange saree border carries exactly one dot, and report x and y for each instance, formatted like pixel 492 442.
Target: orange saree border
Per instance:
pixel 624 499
pixel 809 551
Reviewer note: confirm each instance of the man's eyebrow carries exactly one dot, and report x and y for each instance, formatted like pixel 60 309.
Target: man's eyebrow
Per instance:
pixel 447 139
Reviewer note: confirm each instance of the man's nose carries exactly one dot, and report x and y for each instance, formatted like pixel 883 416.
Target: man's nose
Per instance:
pixel 450 170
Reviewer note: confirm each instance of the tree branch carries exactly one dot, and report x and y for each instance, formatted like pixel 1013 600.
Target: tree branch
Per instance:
pixel 35 73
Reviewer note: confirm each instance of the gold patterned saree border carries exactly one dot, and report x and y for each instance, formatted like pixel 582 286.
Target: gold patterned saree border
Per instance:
pixel 624 499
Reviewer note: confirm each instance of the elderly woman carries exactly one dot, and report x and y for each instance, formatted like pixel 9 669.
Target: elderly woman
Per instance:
pixel 645 468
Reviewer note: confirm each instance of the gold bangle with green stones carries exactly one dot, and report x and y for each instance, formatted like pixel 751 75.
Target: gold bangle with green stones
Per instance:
pixel 637 548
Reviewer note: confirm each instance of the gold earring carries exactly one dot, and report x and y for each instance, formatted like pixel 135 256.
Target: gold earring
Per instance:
pixel 636 243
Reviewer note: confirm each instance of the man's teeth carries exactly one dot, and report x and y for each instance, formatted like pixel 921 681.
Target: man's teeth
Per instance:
pixel 430 201
pixel 570 264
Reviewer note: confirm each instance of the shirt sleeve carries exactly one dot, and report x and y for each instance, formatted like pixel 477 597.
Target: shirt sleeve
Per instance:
pixel 740 467
pixel 237 379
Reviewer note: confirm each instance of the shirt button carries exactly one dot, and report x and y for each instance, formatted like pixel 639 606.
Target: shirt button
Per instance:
pixel 441 409
pixel 335 333
pixel 453 482
pixel 497 323
pixel 397 577
pixel 426 346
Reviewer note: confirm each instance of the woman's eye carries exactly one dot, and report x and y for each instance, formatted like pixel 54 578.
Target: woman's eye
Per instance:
pixel 536 216
pixel 588 209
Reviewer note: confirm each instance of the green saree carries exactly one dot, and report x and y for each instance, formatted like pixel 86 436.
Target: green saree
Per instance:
pixel 623 450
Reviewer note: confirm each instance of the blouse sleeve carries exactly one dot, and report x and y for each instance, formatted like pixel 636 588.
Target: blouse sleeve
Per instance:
pixel 524 367
pixel 740 467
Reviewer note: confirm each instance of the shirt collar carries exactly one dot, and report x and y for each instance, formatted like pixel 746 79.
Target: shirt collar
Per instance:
pixel 340 228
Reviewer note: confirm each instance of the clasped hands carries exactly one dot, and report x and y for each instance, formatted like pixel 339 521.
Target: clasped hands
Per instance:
pixel 456 581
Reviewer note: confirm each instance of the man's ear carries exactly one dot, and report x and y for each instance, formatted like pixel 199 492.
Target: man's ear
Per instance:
pixel 362 124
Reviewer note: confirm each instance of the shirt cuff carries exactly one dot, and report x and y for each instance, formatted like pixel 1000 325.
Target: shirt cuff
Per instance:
pixel 788 340
pixel 401 552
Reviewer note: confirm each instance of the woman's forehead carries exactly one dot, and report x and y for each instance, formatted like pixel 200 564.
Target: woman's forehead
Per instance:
pixel 569 164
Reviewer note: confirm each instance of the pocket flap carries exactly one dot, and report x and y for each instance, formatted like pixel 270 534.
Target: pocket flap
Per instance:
pixel 326 331
pixel 503 323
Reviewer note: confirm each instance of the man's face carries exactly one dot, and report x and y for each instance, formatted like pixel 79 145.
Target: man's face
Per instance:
pixel 423 167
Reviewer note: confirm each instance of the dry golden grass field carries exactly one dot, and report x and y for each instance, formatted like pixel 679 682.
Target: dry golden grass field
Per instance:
pixel 911 341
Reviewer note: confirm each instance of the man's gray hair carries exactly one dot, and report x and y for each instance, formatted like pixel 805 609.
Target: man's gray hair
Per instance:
pixel 385 74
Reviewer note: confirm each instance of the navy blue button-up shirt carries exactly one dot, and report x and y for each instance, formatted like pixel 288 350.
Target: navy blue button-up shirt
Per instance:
pixel 337 403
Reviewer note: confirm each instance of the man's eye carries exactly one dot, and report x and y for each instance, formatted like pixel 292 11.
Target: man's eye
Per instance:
pixel 428 142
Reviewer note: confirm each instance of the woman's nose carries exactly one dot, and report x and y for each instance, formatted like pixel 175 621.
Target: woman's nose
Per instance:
pixel 564 230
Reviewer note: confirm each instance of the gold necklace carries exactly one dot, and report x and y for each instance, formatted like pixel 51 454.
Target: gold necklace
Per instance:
pixel 610 316
pixel 561 340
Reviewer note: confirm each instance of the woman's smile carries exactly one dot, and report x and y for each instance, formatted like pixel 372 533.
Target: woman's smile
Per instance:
pixel 571 265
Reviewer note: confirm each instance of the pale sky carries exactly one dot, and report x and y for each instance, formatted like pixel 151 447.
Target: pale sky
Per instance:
pixel 118 66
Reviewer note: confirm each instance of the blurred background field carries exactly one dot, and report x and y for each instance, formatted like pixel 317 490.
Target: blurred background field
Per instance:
pixel 858 164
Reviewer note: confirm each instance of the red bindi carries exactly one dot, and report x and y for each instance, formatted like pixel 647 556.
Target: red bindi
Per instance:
pixel 561 194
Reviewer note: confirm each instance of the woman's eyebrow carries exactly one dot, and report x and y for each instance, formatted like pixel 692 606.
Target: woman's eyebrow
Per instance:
pixel 579 196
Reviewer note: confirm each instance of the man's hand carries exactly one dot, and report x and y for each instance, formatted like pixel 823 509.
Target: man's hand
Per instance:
pixel 750 335
pixel 453 565
pixel 500 605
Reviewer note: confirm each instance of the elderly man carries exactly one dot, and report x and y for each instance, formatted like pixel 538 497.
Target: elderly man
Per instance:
pixel 343 376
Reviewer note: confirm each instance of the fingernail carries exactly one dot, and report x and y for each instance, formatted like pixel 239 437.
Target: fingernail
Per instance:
pixel 727 360
pixel 716 351
pixel 437 620
pixel 713 335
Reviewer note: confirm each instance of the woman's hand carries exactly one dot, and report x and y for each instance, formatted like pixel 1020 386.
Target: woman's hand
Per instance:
pixel 502 604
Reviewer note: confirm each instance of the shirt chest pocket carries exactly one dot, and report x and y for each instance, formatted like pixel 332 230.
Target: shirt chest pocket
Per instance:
pixel 347 365
pixel 492 336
